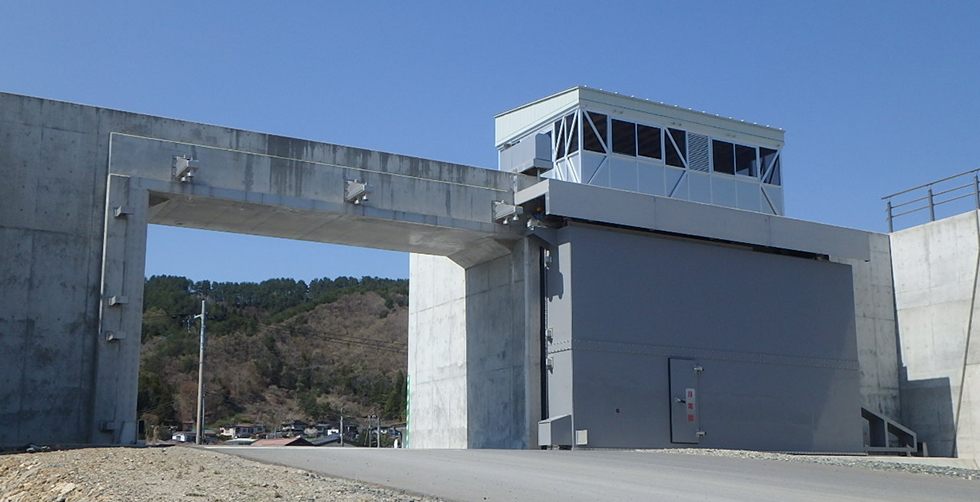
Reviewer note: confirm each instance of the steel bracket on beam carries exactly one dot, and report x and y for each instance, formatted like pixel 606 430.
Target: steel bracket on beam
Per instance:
pixel 356 192
pixel 183 169
pixel 504 212
pixel 121 211
pixel 114 336
pixel 118 300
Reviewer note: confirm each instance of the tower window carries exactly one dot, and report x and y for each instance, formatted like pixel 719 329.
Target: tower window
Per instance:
pixel 593 139
pixel 723 156
pixel 624 137
pixel 745 160
pixel 648 142
pixel 676 142
pixel 571 129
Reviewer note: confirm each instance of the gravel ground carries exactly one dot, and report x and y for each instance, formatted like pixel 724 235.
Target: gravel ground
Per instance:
pixel 170 474
pixel 878 464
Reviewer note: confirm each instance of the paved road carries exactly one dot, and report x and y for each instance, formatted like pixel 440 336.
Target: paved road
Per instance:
pixel 571 476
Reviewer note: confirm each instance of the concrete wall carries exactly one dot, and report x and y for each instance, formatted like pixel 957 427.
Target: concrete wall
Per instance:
pixel 473 353
pixel 53 158
pixel 935 270
pixel 437 369
pixel 775 335
pixel 876 328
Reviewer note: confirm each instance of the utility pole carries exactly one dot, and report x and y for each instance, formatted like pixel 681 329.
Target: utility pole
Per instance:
pixel 200 381
pixel 378 430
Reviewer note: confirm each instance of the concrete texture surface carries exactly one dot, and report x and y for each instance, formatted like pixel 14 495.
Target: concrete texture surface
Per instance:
pixel 472 354
pixel 437 369
pixel 876 328
pixel 83 182
pixel 936 266
pixel 562 476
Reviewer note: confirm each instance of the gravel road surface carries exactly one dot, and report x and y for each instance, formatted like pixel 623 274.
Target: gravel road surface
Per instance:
pixel 314 474
pixel 582 475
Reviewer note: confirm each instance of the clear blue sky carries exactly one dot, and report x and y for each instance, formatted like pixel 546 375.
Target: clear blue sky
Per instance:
pixel 875 97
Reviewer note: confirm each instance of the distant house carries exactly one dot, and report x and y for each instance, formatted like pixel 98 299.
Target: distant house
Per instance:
pixel 295 441
pixel 293 428
pixel 242 430
pixel 184 437
pixel 329 439
pixel 191 437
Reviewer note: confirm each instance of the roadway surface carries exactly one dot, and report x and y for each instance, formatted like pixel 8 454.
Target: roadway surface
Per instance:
pixel 571 476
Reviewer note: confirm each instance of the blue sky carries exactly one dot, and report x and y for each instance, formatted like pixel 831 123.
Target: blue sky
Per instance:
pixel 875 97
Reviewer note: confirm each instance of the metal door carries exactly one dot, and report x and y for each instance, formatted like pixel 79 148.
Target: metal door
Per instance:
pixel 684 416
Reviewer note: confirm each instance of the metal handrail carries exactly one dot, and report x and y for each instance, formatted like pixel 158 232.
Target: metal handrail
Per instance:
pixel 932 198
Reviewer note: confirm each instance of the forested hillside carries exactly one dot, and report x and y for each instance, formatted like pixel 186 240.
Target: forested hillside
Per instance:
pixel 277 350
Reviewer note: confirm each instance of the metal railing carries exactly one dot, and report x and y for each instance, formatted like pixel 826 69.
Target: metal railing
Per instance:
pixel 931 195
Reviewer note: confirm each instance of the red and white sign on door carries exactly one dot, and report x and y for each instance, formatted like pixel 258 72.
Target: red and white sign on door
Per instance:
pixel 691 403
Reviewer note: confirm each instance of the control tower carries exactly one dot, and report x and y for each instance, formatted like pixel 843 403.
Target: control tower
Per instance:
pixel 601 138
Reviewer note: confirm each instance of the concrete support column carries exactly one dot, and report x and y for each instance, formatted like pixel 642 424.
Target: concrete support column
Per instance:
pixel 120 315
pixel 473 357
pixel 436 353
pixel 496 352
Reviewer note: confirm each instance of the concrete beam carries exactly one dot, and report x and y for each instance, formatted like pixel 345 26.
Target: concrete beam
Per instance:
pixel 261 194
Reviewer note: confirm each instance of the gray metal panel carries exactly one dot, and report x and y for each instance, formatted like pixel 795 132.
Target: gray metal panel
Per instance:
pixel 684 413
pixel 517 122
pixel 774 333
pixel 555 431
pixel 592 203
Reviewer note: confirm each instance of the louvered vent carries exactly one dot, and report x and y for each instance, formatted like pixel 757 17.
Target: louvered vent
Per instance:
pixel 697 151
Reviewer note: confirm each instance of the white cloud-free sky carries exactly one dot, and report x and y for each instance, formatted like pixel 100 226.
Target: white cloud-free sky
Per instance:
pixel 875 97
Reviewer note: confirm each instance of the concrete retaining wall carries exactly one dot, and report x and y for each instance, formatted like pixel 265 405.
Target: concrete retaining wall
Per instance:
pixel 935 269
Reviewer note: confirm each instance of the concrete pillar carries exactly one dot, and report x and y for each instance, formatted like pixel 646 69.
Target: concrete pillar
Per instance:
pixel 436 353
pixel 118 344
pixel 473 352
